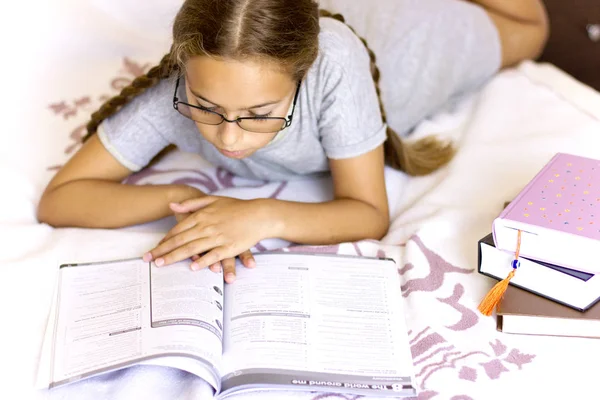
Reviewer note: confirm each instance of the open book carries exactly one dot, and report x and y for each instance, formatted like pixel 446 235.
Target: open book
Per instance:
pixel 296 322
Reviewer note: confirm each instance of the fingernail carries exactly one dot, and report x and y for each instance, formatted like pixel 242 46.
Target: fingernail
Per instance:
pixel 147 257
pixel 159 262
pixel 194 267
pixel 251 263
pixel 229 277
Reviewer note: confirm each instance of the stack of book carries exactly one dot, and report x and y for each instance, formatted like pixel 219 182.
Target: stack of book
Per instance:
pixel 556 288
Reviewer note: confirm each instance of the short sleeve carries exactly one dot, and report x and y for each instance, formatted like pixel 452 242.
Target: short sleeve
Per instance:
pixel 132 135
pixel 350 122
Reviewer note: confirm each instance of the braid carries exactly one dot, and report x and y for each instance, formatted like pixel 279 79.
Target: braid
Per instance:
pixel 161 71
pixel 419 158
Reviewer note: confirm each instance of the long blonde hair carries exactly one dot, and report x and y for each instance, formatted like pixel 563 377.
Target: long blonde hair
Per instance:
pixel 284 31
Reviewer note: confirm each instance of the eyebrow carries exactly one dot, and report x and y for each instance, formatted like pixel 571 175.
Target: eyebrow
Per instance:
pixel 269 103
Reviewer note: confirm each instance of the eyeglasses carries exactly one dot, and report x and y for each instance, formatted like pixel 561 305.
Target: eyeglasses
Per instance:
pixel 252 124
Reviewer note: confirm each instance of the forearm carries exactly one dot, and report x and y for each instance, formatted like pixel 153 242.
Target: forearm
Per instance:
pixel 102 204
pixel 524 11
pixel 343 220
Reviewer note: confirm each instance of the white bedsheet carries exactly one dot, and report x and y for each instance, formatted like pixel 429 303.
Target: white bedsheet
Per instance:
pixel 505 133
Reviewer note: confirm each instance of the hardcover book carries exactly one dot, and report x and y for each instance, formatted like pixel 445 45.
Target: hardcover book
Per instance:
pixel 558 214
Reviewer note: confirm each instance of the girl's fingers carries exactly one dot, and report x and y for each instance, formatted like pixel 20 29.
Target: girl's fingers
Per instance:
pixel 229 269
pixel 180 240
pixel 185 225
pixel 188 250
pixel 195 257
pixel 192 205
pixel 213 256
pixel 179 217
pixel 216 267
pixel 248 259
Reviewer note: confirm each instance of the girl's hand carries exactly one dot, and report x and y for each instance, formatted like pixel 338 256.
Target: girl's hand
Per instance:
pixel 221 227
pixel 180 216
pixel 228 264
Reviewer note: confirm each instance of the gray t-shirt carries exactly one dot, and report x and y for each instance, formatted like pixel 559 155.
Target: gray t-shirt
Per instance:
pixel 337 113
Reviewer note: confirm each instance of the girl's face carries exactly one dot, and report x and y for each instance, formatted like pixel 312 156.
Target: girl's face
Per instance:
pixel 238 89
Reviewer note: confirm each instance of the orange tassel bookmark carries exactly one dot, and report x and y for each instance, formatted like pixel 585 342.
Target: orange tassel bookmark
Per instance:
pixel 493 297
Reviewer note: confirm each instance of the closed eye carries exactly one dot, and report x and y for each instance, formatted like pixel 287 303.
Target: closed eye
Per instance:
pixel 259 116
pixel 196 103
pixel 206 108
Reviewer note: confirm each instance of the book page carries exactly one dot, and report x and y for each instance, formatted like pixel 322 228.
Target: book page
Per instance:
pixel 186 311
pixel 316 320
pixel 114 314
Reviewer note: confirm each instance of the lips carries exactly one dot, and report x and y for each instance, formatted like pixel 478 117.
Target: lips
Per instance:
pixel 234 154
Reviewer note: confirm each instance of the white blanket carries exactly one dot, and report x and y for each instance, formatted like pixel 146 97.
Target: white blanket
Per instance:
pixel 505 133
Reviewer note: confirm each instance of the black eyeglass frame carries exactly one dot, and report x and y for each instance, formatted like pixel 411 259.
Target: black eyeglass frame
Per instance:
pixel 287 121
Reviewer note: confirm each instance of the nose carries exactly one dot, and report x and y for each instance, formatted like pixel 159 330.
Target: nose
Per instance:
pixel 229 133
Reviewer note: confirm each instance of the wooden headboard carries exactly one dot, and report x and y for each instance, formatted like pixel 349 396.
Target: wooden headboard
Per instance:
pixel 574 42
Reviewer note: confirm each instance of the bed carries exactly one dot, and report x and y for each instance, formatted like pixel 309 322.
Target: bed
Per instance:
pixel 505 132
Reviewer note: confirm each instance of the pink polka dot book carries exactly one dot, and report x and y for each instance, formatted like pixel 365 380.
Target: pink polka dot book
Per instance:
pixel 558 214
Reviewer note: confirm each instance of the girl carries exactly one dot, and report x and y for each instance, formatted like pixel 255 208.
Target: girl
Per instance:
pixel 269 90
